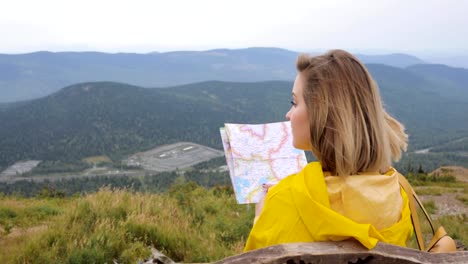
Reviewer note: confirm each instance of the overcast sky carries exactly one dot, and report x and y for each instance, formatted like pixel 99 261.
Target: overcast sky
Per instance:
pixel 150 25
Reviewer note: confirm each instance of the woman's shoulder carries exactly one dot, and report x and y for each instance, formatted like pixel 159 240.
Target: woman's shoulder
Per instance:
pixel 311 168
pixel 308 180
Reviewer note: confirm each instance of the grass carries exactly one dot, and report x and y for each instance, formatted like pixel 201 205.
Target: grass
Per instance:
pixel 23 219
pixel 417 183
pixel 439 184
pixel 430 207
pixel 97 160
pixel 188 224
pixel 435 190
pixel 463 198
pixel 424 177
pixel 24 213
pixel 456 226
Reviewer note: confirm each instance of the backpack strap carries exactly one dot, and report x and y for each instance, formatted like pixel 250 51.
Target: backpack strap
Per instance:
pixel 441 242
pixel 414 212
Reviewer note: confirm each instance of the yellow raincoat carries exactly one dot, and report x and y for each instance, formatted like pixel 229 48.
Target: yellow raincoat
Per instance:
pixel 298 210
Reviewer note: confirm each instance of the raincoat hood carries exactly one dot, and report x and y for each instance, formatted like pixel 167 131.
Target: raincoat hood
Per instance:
pixel 300 209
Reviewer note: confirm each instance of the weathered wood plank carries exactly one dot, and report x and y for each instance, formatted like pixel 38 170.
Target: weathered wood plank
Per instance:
pixel 342 252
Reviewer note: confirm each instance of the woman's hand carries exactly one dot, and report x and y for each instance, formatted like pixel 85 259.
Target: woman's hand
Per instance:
pixel 261 203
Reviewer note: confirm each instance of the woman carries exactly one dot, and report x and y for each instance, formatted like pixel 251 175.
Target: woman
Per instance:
pixel 352 191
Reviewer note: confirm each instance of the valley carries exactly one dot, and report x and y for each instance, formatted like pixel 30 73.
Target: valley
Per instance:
pixel 174 157
pixel 452 142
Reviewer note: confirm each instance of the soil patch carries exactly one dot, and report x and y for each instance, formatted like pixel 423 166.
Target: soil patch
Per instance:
pixel 447 204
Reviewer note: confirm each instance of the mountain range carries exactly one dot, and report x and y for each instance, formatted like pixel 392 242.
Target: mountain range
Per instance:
pixel 34 75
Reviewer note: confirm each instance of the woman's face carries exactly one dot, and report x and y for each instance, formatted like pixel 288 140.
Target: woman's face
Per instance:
pixel 298 116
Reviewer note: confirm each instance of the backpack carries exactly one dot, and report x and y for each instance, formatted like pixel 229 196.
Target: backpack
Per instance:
pixel 441 242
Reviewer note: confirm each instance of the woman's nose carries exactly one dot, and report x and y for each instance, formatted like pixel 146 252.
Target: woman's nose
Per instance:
pixel 288 114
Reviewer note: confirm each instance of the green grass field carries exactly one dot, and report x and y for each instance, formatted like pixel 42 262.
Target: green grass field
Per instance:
pixel 189 224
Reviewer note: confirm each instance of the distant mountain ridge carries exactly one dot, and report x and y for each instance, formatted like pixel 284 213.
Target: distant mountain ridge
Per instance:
pixel 33 75
pixel 450 60
pixel 395 59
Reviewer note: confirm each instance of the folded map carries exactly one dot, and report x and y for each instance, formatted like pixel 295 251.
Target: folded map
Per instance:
pixel 258 154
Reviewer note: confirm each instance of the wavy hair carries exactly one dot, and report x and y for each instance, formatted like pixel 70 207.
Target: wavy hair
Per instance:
pixel 350 130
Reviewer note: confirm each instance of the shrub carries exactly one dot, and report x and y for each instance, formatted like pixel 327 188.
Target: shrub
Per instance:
pixel 7 213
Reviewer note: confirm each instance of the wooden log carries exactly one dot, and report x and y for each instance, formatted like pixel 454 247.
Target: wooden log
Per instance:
pixel 349 251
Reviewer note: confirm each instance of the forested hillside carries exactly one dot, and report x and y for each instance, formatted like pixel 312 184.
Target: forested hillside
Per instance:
pixel 433 113
pixel 447 81
pixel 117 119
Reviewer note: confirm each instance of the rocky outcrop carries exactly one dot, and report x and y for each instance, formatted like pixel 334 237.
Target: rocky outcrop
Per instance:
pixel 158 258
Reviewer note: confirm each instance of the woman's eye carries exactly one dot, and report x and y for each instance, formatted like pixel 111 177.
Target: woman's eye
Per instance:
pixel 293 103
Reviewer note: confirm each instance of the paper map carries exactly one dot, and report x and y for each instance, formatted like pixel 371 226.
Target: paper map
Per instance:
pixel 257 154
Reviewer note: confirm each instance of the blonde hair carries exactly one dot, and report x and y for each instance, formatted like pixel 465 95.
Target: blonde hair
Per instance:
pixel 349 129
